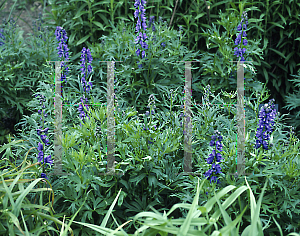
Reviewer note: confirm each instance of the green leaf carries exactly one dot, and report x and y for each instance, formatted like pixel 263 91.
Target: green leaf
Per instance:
pixel 99 25
pixel 199 15
pixel 71 38
pixel 289 56
pixel 82 40
pixel 278 25
pixel 266 75
pixel 279 53
pixel 233 6
pixel 187 222
pixel 282 18
pixel 168 8
pixel 79 14
pixel 217 4
pixel 152 180
pixel 122 196
pixel 138 178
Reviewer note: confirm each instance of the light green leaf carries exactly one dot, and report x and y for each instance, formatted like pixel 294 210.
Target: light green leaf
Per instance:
pixel 282 18
pixel 79 14
pixel 82 40
pixel 99 25
pixel 199 15
pixel 168 8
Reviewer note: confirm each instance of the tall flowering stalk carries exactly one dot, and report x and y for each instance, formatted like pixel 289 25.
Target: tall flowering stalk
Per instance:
pixel 151 104
pixel 240 50
pixel 2 37
pixel 63 52
pixel 267 116
pixel 151 21
pixel 86 57
pixel 215 157
pixel 139 6
pixel 12 27
pixel 41 158
pixel 205 99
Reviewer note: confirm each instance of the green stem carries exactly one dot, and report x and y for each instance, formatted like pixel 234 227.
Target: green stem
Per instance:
pixel 90 21
pixel 111 10
pixel 157 9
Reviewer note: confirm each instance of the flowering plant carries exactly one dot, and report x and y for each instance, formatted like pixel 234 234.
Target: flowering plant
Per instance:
pixel 215 157
pixel 44 160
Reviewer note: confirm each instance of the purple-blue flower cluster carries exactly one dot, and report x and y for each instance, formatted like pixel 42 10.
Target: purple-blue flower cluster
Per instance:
pixel 41 158
pixel 215 157
pixel 86 57
pixel 139 6
pixel 267 116
pixel 61 37
pixel 240 51
pixel 85 73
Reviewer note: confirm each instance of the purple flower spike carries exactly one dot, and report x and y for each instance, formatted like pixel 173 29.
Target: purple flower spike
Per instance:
pixel 214 157
pixel 239 51
pixel 86 58
pixel 267 116
pixel 139 6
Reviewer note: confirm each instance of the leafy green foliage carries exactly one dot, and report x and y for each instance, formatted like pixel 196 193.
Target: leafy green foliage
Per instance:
pixel 149 177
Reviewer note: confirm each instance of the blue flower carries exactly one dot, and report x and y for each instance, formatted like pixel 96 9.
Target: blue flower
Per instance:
pixel 61 37
pixel 267 116
pixel 48 160
pixel 40 147
pixel 86 58
pixel 86 53
pixel 214 157
pixel 43 175
pixel 240 51
pixel 43 137
pixel 139 5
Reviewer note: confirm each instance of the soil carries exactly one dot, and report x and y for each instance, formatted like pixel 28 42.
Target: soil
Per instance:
pixel 26 17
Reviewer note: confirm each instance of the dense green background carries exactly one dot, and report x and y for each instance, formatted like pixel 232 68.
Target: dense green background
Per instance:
pixel 274 23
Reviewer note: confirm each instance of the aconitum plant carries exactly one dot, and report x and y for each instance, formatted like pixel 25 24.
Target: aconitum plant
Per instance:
pixel 139 5
pixel 147 114
pixel 12 26
pixel 267 116
pixel 41 158
pixel 239 51
pixel 86 86
pixel 215 157
pixel 63 53
pixel 151 21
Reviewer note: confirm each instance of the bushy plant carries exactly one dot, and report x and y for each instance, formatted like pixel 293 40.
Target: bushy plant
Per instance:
pixel 149 149
pixel 160 72
pixel 18 68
